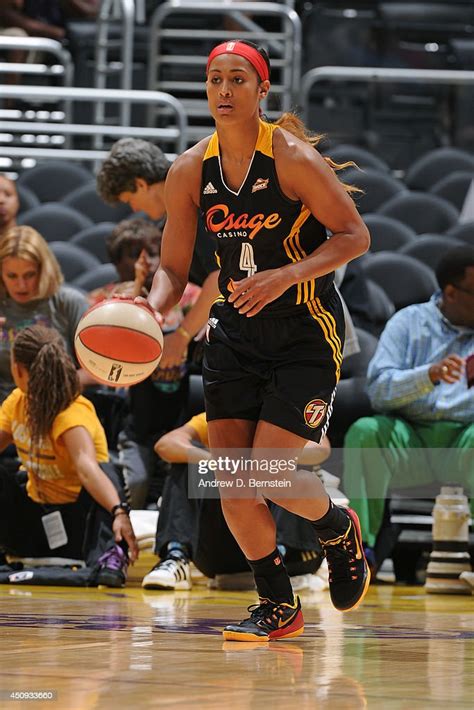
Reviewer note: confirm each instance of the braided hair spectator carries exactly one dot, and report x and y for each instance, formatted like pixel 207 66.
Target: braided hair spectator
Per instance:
pixel 53 380
pixel 62 447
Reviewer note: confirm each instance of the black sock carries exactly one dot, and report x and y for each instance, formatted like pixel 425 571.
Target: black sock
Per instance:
pixel 335 521
pixel 272 578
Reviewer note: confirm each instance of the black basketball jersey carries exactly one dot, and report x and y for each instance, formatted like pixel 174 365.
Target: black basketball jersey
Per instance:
pixel 258 227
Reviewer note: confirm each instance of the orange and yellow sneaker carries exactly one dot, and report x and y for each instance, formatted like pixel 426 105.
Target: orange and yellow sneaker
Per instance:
pixel 349 573
pixel 268 621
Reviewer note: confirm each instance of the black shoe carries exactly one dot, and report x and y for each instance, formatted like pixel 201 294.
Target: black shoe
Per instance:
pixel 268 621
pixel 349 574
pixel 112 567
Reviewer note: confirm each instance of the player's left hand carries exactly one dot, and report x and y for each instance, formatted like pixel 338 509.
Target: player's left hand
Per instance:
pixel 253 293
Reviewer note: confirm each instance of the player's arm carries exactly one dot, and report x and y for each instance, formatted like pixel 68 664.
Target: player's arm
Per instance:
pixel 181 200
pixel 175 344
pixel 197 316
pixel 310 179
pixel 178 446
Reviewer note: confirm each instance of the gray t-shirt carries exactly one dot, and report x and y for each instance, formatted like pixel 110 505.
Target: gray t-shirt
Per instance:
pixel 62 311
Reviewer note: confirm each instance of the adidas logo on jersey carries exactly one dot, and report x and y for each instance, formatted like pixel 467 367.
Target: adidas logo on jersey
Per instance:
pixel 209 189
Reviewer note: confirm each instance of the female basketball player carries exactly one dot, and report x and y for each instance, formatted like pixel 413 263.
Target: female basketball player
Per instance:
pixel 273 354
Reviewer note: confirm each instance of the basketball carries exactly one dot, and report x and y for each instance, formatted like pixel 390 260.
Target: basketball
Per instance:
pixel 119 342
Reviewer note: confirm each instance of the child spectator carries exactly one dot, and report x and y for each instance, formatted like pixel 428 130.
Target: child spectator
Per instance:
pixel 69 504
pixel 157 403
pixel 133 248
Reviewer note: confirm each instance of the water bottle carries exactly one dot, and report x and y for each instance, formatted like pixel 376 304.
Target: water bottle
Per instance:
pixel 450 554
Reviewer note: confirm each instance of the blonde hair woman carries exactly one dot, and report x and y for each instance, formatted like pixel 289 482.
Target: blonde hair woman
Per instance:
pixel 32 292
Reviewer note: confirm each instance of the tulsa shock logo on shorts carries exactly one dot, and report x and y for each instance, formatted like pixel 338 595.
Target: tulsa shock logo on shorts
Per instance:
pixel 314 412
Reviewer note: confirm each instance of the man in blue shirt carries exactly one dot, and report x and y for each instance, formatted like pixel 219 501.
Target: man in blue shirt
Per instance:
pixel 420 381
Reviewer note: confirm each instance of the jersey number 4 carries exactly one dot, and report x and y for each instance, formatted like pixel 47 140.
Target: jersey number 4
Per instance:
pixel 247 261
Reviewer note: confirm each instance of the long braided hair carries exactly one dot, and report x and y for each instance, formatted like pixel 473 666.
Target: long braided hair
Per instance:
pixel 53 381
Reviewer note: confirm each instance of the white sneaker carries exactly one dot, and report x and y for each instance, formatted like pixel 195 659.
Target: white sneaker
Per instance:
pixel 171 573
pixel 316 582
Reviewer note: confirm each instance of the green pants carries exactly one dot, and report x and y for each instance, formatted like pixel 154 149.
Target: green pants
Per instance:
pixel 383 452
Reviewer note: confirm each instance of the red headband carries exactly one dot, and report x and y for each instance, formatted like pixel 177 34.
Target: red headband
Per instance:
pixel 243 50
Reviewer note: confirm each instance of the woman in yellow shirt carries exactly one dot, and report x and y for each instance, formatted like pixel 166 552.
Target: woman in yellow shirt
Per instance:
pixel 71 502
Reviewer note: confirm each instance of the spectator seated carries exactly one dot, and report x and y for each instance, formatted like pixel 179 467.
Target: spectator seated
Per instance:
pixel 418 385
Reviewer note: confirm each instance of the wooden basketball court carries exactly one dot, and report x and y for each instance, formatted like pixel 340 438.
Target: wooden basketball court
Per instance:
pixel 131 648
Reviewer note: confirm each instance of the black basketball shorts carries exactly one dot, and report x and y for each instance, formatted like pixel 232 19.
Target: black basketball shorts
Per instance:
pixel 281 370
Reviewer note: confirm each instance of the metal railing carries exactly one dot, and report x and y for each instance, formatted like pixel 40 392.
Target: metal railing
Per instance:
pixel 63 68
pixel 126 11
pixel 175 49
pixel 171 137
pixel 379 75
pixel 140 10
